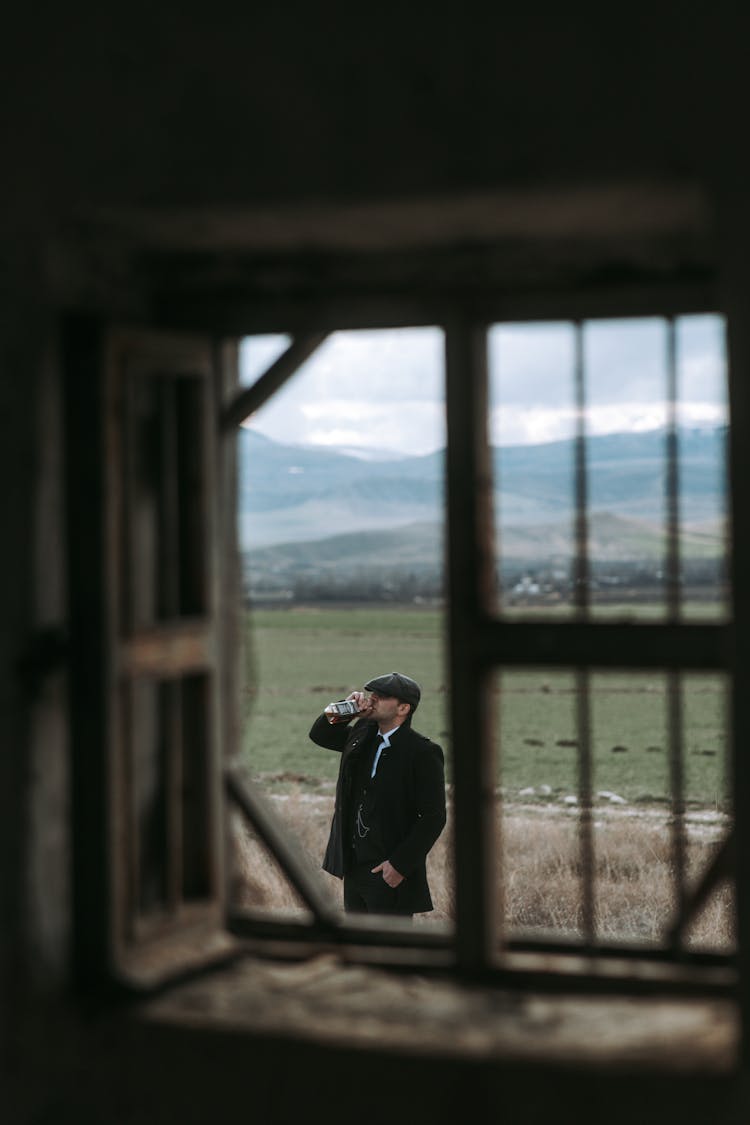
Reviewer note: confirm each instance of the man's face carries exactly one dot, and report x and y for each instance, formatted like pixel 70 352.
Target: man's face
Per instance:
pixel 386 709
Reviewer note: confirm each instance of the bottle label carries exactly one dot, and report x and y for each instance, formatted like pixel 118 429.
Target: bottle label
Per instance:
pixel 341 711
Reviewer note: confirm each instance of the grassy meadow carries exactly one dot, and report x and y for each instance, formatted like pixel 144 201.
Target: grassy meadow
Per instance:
pixel 300 658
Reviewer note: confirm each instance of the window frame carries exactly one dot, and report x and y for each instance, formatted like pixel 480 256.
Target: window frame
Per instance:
pixel 176 651
pixel 477 642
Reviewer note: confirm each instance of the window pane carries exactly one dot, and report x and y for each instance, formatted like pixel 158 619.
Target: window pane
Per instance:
pixel 625 378
pixel 643 807
pixel 194 792
pixel 532 425
pixel 538 772
pixel 703 416
pixel 639 381
pixel 149 763
pixel 169 830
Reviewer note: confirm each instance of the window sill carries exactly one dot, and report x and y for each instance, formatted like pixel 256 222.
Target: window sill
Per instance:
pixel 324 1001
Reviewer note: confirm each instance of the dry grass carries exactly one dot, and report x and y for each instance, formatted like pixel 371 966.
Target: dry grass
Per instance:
pixel 542 871
pixel 634 878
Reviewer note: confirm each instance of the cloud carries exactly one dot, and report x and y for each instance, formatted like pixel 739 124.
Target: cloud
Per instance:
pixel 417 427
pixel 383 390
pixel 533 426
pixel 374 390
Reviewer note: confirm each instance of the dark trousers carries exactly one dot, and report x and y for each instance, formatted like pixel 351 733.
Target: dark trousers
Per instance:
pixel 365 893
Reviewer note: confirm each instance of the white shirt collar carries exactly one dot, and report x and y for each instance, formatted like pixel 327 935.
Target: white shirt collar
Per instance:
pixel 387 736
pixel 385 741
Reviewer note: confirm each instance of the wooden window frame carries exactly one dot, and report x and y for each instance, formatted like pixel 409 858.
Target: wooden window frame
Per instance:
pixel 162 642
pixel 478 643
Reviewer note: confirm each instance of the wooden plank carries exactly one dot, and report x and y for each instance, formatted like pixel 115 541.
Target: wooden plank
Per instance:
pixel 738 339
pixel 177 953
pixel 230 612
pixel 168 650
pixel 125 885
pixel 368 932
pixel 124 813
pixel 425 294
pixel 173 782
pixel 470 568
pixel 273 834
pixel 196 499
pixel 584 755
pixel 209 539
pixel 517 972
pixel 89 696
pixel 601 644
pixel 229 569
pixel 720 868
pixel 167 489
pixel 250 400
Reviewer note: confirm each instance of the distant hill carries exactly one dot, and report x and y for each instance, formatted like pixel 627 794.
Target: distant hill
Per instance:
pixel 294 494
pixel 417 549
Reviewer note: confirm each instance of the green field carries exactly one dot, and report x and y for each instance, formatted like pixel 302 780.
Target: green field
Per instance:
pixel 298 659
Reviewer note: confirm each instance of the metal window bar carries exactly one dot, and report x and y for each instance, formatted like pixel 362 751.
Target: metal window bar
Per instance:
pixel 678 849
pixel 672 497
pixel 470 566
pixel 674 606
pixel 581 573
pixel 585 820
pixel 581 598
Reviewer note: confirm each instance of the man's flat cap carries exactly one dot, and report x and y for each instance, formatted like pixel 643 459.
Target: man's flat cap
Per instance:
pixel 398 686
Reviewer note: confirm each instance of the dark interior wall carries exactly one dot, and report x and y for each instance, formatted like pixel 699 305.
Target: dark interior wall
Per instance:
pixel 159 105
pixel 150 1075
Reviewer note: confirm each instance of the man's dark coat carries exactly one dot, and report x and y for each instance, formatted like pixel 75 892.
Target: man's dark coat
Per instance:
pixel 409 810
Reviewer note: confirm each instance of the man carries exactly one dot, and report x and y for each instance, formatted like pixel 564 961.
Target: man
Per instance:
pixel 390 799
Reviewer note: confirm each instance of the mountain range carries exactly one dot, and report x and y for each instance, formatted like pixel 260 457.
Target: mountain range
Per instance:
pixel 326 508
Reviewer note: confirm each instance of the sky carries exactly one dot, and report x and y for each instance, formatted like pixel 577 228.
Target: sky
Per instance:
pixel 380 393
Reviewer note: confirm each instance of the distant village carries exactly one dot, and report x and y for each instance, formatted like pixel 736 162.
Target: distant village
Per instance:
pixel 517 584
